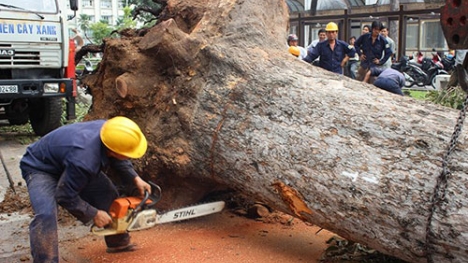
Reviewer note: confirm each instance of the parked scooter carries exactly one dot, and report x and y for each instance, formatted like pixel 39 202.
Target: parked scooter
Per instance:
pixel 402 66
pixel 86 70
pixel 419 74
pixel 449 64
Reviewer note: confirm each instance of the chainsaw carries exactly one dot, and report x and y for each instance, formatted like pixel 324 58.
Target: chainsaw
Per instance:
pixel 134 213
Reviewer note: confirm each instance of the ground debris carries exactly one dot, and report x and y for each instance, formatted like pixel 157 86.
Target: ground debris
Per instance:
pixel 18 202
pixel 343 251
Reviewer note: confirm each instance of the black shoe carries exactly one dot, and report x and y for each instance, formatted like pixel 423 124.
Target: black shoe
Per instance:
pixel 126 248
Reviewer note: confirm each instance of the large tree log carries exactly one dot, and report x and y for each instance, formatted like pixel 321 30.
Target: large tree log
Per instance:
pixel 223 104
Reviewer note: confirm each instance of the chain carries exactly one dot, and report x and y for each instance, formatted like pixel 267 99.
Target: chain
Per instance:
pixel 438 195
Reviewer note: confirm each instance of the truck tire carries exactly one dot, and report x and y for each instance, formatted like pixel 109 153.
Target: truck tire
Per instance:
pixel 19 119
pixel 17 112
pixel 45 115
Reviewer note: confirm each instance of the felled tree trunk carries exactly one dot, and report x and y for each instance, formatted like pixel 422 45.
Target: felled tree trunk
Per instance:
pixel 223 104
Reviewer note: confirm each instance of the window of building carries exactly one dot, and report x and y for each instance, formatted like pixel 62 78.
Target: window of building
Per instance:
pixel 412 37
pixel 106 3
pixel 88 3
pixel 121 3
pixel 108 19
pixel 307 4
pixel 432 35
pixel 424 35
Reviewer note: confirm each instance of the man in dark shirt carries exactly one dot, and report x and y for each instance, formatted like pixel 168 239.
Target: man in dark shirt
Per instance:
pixel 373 50
pixel 387 79
pixel 334 53
pixel 66 167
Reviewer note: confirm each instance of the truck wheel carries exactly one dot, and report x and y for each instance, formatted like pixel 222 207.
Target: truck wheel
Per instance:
pixel 45 115
pixel 19 119
pixel 17 112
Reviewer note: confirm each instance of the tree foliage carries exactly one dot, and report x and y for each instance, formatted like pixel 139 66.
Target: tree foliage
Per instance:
pixel 145 18
pixel 84 22
pixel 126 21
pixel 100 30
pixel 452 97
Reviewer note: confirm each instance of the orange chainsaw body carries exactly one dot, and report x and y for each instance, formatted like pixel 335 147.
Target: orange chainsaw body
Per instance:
pixel 120 211
pixel 121 206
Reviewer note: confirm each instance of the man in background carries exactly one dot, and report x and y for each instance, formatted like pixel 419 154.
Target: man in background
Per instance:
pixel 365 29
pixel 387 79
pixel 353 62
pixel 391 43
pixel 293 41
pixel 460 55
pixel 373 50
pixel 322 36
pixel 334 53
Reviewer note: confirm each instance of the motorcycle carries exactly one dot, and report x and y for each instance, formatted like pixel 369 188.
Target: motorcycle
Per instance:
pixel 83 91
pixel 449 64
pixel 402 66
pixel 419 74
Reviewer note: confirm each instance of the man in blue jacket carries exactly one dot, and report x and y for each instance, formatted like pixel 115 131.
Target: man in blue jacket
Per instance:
pixel 387 79
pixel 373 49
pixel 334 53
pixel 67 167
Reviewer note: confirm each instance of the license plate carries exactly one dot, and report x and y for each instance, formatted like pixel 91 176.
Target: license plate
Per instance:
pixel 8 89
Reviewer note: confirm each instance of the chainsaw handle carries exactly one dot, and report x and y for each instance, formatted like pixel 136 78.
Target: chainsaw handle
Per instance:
pixel 143 205
pixel 156 194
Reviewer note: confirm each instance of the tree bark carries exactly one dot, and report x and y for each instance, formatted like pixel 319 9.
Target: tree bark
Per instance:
pixel 223 104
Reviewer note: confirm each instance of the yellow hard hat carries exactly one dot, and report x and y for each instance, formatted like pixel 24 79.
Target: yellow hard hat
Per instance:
pixel 331 27
pixel 295 51
pixel 123 136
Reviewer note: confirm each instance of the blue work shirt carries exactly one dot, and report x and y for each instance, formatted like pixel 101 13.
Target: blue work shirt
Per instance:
pixel 330 59
pixel 364 45
pixel 73 154
pixel 388 79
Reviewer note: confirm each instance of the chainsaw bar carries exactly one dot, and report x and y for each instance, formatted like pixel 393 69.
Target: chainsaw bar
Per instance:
pixel 149 218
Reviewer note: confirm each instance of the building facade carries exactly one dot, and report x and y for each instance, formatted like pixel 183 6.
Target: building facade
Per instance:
pixel 414 25
pixel 97 10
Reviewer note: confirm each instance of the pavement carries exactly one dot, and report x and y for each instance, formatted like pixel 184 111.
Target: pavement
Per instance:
pixel 12 151
pixel 14 237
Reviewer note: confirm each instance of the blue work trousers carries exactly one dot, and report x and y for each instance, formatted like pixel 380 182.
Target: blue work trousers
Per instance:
pixel 390 85
pixel 100 193
pixel 351 68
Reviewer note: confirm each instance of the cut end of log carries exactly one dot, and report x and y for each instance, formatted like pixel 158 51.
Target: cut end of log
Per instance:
pixel 292 198
pixel 121 87
pixel 257 211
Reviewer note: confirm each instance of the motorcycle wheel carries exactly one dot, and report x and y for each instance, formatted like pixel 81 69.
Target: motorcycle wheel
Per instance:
pixel 433 82
pixel 420 83
pixel 408 80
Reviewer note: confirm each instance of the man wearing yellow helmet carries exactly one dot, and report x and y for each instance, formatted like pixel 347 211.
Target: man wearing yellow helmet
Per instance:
pixel 294 48
pixel 295 51
pixel 334 53
pixel 67 167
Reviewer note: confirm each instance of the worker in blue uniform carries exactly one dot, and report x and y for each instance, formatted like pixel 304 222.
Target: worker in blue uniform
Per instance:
pixel 387 79
pixel 373 50
pixel 67 167
pixel 333 53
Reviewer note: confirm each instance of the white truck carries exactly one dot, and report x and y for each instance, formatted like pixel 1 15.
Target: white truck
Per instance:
pixel 37 68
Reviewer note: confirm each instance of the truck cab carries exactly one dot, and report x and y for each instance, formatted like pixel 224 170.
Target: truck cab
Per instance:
pixel 37 74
